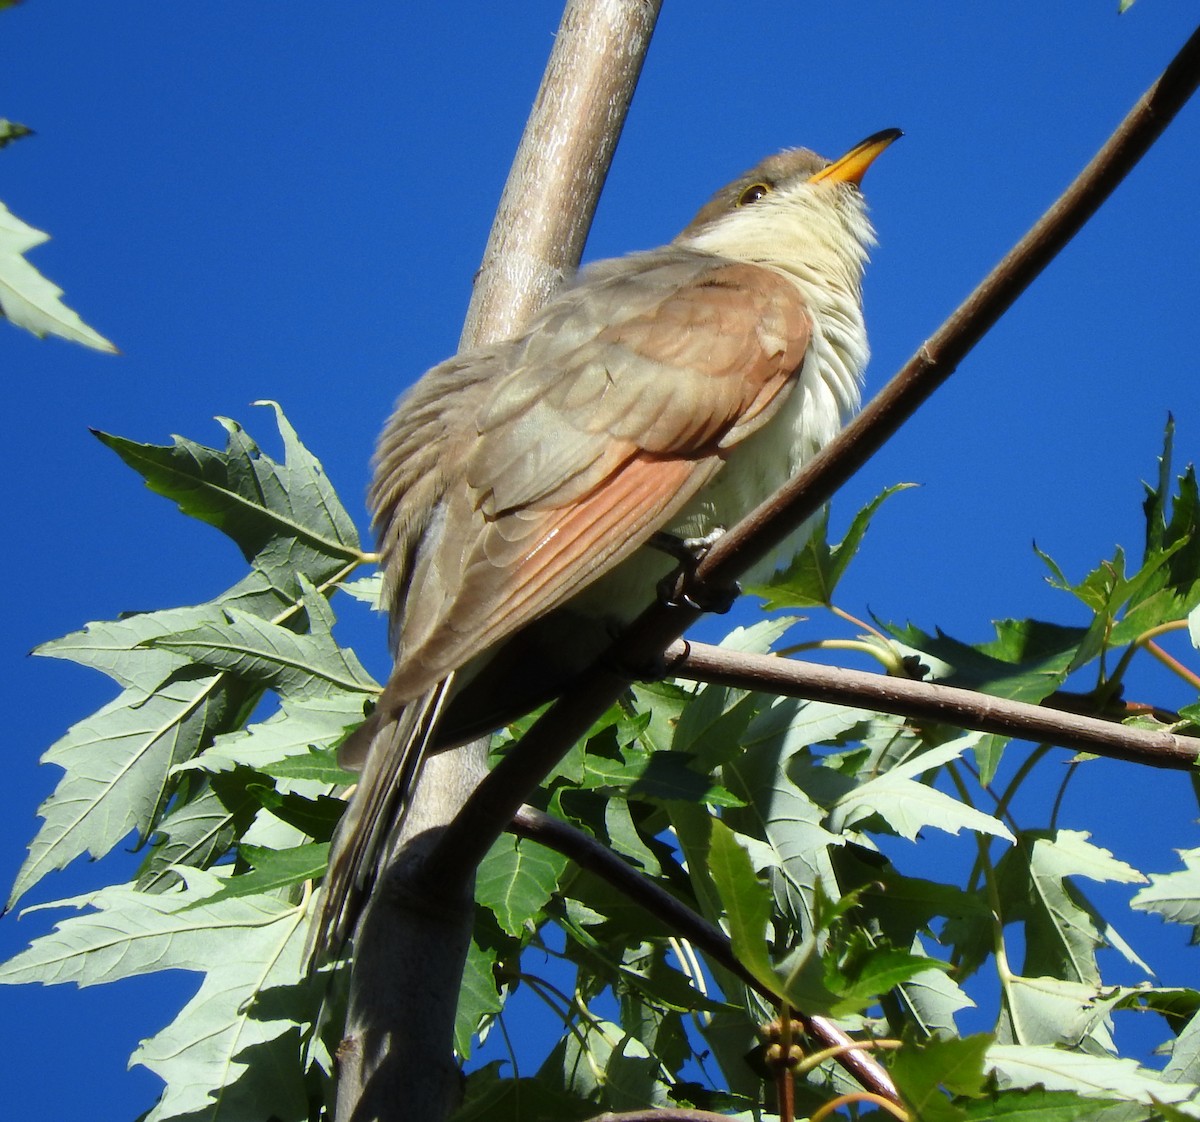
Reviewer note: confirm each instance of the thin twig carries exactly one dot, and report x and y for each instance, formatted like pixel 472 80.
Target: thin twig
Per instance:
pixel 589 854
pixel 930 701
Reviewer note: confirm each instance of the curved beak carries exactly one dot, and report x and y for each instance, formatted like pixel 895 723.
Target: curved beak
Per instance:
pixel 851 167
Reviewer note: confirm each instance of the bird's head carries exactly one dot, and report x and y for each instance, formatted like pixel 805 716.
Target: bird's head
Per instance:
pixel 794 208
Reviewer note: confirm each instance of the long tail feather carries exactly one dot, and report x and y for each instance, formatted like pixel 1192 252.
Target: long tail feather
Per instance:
pixel 361 847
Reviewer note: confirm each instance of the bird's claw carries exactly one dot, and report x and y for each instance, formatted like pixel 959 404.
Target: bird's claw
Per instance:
pixel 689 552
pixel 673 592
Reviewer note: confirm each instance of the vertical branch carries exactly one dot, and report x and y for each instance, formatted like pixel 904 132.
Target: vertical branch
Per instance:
pixel 397 1057
pixel 551 194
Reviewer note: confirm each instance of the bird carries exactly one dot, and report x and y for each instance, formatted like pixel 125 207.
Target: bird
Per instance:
pixel 520 488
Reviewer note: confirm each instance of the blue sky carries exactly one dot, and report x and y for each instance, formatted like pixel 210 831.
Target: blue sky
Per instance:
pixel 288 200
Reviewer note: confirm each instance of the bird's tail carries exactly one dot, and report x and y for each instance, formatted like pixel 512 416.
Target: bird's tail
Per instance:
pixel 364 839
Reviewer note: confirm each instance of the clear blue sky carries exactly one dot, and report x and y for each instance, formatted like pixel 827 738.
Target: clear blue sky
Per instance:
pixel 288 200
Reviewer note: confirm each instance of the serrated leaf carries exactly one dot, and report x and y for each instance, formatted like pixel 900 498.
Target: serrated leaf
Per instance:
pixel 300 667
pixel 492 1099
pixel 295 743
pixel 118 762
pixel 248 947
pixel 602 1061
pixel 318 765
pixel 273 870
pixel 909 806
pixel 478 997
pixel 197 832
pixel 1057 1069
pixel 367 590
pixel 516 879
pixel 1061 936
pixel 883 971
pixel 1027 661
pixel 813 575
pixel 123 650
pixel 285 517
pixel 1033 1106
pixel 315 818
pixel 27 298
pixel 1174 896
pixel 1044 1010
pixel 924 1074
pixel 790 824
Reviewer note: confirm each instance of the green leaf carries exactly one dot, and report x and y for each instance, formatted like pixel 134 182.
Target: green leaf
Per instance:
pixel 10 130
pixel 298 742
pixel 478 998
pixel 746 902
pixel 814 574
pixel 516 879
pixel 1057 1069
pixel 926 1072
pixel 229 1050
pixel 273 870
pixel 907 805
pixel 198 830
pixel 1174 896
pixel 317 765
pixel 788 822
pixel 882 971
pixel 285 517
pixel 317 818
pixel 27 298
pixel 1061 936
pixel 492 1099
pixel 123 648
pixel 1034 1106
pixel 1027 661
pixel 299 667
pixel 118 764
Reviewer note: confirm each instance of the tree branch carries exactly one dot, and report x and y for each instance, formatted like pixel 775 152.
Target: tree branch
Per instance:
pixel 589 854
pixel 509 784
pixel 929 701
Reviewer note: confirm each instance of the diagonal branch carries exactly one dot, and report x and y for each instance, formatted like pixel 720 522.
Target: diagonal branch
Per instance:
pixel 493 804
pixel 589 854
pixel 765 527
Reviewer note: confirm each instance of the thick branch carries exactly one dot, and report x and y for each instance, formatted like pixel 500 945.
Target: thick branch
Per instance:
pixel 589 854
pixel 494 803
pixel 551 194
pixel 929 701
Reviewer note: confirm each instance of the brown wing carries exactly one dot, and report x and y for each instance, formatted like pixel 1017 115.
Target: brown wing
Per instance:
pixel 562 452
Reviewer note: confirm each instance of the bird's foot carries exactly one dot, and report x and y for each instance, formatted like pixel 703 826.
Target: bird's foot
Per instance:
pixel 673 589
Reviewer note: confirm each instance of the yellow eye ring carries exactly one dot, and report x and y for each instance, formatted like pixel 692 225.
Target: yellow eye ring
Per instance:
pixel 753 193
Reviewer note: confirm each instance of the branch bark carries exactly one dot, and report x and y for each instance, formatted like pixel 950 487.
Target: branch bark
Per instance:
pixel 589 854
pixel 929 701
pixel 397 1060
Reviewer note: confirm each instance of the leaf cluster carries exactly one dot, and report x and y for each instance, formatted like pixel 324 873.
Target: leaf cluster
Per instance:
pixel 806 831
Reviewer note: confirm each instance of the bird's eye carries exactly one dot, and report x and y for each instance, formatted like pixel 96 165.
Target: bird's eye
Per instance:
pixel 753 193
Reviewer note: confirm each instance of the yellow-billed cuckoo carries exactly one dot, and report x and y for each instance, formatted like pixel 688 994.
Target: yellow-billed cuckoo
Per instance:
pixel 517 485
